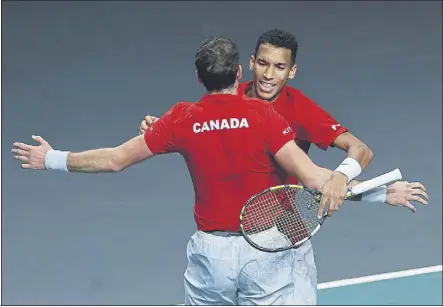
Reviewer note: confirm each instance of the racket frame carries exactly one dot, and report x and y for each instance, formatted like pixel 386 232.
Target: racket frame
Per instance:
pixel 353 191
pixel 294 187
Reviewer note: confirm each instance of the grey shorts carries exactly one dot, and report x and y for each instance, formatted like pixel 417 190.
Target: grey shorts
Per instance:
pixel 228 271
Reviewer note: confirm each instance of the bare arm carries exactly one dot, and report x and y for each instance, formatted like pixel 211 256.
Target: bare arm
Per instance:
pixel 296 163
pixel 355 148
pixel 110 159
pixel 331 184
pixel 42 156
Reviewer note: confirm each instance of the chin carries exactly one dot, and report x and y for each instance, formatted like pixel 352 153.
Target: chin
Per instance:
pixel 266 96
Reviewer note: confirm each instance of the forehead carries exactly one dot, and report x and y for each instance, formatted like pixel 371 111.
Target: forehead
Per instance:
pixel 273 54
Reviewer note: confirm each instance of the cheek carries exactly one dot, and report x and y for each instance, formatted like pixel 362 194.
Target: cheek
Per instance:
pixel 258 71
pixel 281 77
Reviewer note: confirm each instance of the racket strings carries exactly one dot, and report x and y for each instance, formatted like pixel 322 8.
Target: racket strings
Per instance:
pixel 292 211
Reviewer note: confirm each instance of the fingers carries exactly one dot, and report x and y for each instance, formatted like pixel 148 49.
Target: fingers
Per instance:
pixel 417 189
pixel 147 123
pixel 22 146
pixel 417 185
pixel 22 158
pixel 410 207
pixel 20 152
pixel 144 125
pixel 321 208
pixel 332 207
pixel 334 204
pixel 39 139
pixel 420 192
pixel 150 120
pixel 418 199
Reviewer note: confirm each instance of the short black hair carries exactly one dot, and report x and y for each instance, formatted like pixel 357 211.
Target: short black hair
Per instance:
pixel 217 62
pixel 278 38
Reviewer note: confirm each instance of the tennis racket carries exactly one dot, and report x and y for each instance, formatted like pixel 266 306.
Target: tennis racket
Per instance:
pixel 292 210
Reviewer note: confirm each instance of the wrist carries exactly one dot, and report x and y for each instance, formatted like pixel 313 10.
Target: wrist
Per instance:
pixel 376 195
pixel 340 175
pixel 56 160
pixel 349 168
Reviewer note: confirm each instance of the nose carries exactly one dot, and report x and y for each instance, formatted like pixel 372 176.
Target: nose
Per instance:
pixel 269 73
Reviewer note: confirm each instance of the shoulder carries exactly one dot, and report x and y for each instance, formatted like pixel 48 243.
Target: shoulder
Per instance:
pixel 244 88
pixel 298 97
pixel 263 111
pixel 182 111
pixel 258 105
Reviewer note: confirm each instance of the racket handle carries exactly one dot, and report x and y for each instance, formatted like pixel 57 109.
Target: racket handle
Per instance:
pixel 376 182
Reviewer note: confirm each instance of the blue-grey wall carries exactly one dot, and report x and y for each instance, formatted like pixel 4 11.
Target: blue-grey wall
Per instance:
pixel 83 74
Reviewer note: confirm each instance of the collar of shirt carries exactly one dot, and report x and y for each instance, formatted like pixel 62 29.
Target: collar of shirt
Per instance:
pixel 219 98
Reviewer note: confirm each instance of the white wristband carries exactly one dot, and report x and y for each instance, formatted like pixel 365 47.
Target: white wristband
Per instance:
pixel 376 195
pixel 349 167
pixel 56 160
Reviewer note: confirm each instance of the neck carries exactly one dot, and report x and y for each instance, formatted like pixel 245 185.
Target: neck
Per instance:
pixel 233 90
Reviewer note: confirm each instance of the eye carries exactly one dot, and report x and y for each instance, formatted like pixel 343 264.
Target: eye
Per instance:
pixel 261 62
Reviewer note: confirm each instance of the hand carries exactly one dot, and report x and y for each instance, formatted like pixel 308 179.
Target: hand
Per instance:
pixel 147 123
pixel 401 193
pixel 33 157
pixel 333 193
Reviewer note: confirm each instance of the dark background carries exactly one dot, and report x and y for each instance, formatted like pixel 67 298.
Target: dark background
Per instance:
pixel 83 74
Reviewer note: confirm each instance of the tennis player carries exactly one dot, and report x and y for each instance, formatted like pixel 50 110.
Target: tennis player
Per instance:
pixel 226 170
pixel 273 65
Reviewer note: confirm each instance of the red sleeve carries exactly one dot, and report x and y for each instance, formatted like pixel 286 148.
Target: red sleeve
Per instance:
pixel 277 131
pixel 317 125
pixel 161 138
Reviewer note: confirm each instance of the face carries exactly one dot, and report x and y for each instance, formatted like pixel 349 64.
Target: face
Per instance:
pixel 272 68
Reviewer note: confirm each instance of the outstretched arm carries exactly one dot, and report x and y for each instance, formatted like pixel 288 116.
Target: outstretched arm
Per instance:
pixel 101 160
pixel 398 194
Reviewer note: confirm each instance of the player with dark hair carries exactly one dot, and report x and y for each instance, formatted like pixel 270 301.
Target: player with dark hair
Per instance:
pixel 273 65
pixel 223 269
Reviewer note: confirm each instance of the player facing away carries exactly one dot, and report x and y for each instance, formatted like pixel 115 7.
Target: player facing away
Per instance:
pixel 223 269
pixel 273 65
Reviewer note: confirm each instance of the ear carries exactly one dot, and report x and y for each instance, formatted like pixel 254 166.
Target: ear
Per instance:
pixel 239 73
pixel 251 62
pixel 198 78
pixel 292 72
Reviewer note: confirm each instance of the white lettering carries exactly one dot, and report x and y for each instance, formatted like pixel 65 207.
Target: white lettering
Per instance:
pixel 244 123
pixel 225 124
pixel 334 127
pixel 196 127
pixel 215 124
pixel 230 123
pixel 234 123
pixel 205 127
pixel 287 130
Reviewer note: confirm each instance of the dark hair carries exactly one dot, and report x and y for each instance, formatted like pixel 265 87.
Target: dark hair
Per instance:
pixel 217 62
pixel 278 38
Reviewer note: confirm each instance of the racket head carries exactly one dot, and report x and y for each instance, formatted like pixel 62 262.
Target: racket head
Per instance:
pixel 290 212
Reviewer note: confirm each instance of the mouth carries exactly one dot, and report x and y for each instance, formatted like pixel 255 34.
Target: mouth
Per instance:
pixel 267 87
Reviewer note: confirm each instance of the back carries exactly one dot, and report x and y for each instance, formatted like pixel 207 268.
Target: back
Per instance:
pixel 227 142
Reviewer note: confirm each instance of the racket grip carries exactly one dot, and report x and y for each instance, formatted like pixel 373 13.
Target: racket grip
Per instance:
pixel 376 182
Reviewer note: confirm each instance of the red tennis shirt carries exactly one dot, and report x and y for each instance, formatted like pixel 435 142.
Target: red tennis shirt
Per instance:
pixel 228 143
pixel 310 122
